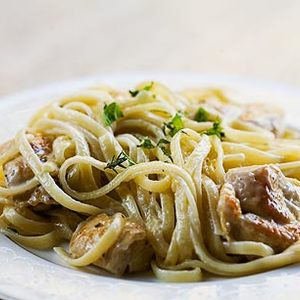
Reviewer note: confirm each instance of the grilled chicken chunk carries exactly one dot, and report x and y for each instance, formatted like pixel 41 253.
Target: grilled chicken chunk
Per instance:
pixel 265 116
pixel 131 253
pixel 260 205
pixel 40 200
pixel 17 170
pixel 42 146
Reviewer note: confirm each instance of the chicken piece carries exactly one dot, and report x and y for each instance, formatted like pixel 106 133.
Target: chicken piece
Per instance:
pixel 42 146
pixel 265 191
pixel 260 205
pixel 17 170
pixel 39 200
pixel 131 253
pixel 39 195
pixel 265 116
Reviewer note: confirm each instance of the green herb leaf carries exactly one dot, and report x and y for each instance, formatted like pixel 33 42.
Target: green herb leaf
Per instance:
pixel 216 129
pixel 201 115
pixel 163 141
pixel 147 144
pixel 145 88
pixel 112 113
pixel 149 86
pixel 118 162
pixel 166 152
pixel 161 144
pixel 174 125
pixel 134 92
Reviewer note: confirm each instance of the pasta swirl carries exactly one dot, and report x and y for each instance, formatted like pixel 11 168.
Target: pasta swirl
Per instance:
pixel 178 171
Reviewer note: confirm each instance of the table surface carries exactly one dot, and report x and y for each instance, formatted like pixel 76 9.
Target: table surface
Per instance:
pixel 51 40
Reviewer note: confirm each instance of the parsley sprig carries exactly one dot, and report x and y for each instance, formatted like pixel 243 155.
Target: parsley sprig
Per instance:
pixel 112 113
pixel 118 162
pixel 174 125
pixel 148 87
pixel 147 144
pixel 162 145
pixel 215 130
pixel 162 141
pixel 201 115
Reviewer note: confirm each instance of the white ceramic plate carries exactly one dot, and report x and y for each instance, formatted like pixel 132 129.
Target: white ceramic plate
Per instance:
pixel 40 275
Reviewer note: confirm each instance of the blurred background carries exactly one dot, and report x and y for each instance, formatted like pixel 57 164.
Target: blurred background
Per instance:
pixel 51 40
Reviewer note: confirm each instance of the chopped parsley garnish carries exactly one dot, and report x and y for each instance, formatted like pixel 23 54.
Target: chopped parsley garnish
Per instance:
pixel 145 88
pixel 112 113
pixel 134 93
pixel 149 86
pixel 147 144
pixel 162 141
pixel 201 115
pixel 118 162
pixel 161 144
pixel 216 129
pixel 166 152
pixel 174 125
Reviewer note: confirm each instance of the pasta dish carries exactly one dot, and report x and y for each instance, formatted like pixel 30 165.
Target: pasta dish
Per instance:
pixel 180 183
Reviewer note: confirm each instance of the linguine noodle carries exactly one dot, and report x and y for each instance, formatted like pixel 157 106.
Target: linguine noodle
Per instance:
pixel 154 161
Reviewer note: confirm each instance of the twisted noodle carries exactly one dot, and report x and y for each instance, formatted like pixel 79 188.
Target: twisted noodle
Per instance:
pixel 106 241
pixel 172 187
